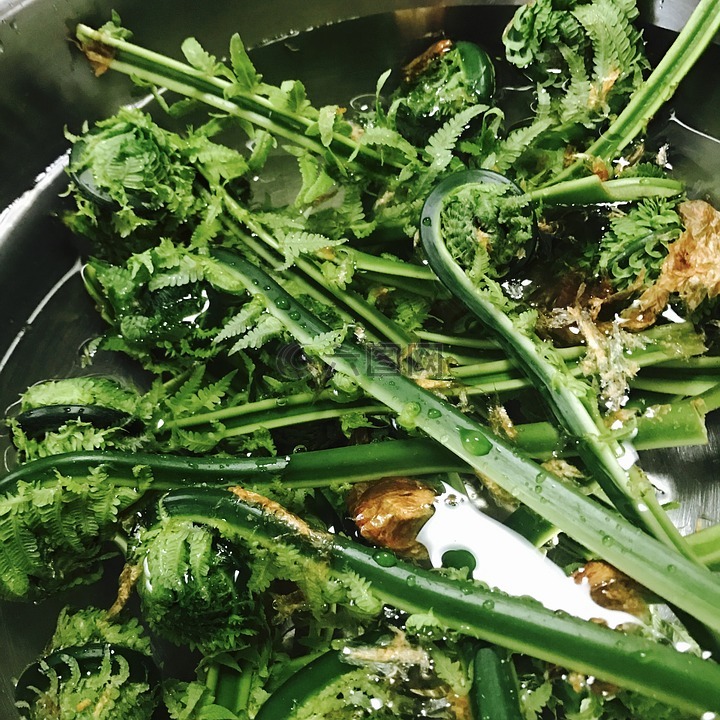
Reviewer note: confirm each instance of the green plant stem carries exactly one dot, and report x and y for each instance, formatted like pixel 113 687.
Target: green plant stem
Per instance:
pixel 319 468
pixel 458 341
pixel 698 33
pixel 591 190
pixel 494 695
pixel 663 426
pixel 682 387
pixel 303 685
pixel 688 585
pixel 706 544
pixel 519 624
pixel 392 267
pixel 241 411
pixel 275 413
pixel 299 416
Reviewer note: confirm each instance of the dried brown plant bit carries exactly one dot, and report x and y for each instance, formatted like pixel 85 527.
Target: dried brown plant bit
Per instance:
pixel 129 576
pixel 390 512
pixel 389 658
pixel 691 269
pixel 99 55
pixel 501 423
pixel 272 508
pixel 564 470
pixel 420 64
pixel 502 498
pixel 611 588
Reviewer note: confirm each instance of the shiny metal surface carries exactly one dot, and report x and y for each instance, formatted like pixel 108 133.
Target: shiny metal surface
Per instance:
pixel 46 85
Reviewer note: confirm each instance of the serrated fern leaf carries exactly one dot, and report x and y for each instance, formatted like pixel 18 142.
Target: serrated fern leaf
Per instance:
pixel 52 535
pixel 614 43
pixel 190 269
pixel 177 401
pixel 242 321
pixel 635 245
pixel 267 327
pixel 295 244
pixel 210 396
pixel 442 143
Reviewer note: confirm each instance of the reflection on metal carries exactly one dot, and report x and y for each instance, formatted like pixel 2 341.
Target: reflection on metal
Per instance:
pixel 419 22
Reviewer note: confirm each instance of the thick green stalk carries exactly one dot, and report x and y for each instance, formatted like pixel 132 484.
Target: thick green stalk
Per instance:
pixel 302 686
pixel 698 33
pixel 660 568
pixel 693 386
pixel 494 695
pixel 319 468
pixel 591 190
pixel 519 624
pixel 706 544
pixel 662 426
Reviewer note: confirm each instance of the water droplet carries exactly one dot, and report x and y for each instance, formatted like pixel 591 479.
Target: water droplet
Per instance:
pixel 282 303
pixel 434 413
pixel 489 604
pixel 411 409
pixel 474 442
pixel 607 540
pixel 385 558
pixel 363 103
pixel 294 315
pixel 671 568
pixel 427 222
pixel 2 48
pixel 411 581
pixel 452 500
pixel 538 489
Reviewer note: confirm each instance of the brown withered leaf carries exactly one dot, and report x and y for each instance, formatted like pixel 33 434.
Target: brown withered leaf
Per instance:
pixel 99 56
pixel 691 270
pixel 390 512
pixel 611 588
pixel 129 576
pixel 421 63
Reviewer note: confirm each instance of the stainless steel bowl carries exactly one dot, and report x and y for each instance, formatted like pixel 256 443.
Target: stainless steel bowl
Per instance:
pixel 338 49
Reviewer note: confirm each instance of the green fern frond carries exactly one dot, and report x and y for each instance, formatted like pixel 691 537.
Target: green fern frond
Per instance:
pixel 52 536
pixel 266 328
pixel 242 321
pixel 295 244
pixel 176 402
pixel 441 144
